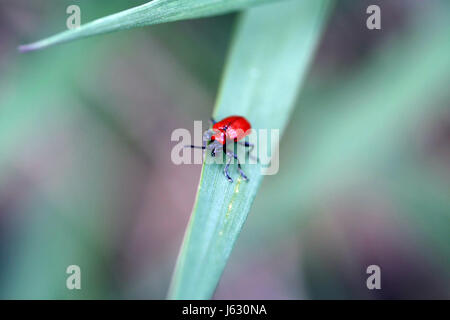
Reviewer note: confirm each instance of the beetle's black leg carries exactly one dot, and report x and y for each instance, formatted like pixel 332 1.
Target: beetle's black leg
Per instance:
pixel 213 122
pixel 251 146
pixel 225 170
pixel 241 172
pixel 247 145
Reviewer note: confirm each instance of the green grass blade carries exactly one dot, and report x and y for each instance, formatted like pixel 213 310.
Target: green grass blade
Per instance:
pixel 153 12
pixel 365 135
pixel 272 49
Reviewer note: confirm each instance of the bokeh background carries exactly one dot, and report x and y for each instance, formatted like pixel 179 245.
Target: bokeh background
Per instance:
pixel 86 176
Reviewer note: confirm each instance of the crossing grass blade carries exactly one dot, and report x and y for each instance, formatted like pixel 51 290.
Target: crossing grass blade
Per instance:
pixel 272 49
pixel 153 12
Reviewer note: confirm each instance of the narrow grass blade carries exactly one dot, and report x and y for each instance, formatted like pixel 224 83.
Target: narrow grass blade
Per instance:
pixel 153 12
pixel 272 49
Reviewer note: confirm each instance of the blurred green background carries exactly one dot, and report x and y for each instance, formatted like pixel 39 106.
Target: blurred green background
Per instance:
pixel 86 176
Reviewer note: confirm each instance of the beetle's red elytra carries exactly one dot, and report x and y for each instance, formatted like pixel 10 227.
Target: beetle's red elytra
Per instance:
pixel 231 129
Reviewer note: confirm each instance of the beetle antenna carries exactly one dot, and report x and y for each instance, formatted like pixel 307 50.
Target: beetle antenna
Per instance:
pixel 194 147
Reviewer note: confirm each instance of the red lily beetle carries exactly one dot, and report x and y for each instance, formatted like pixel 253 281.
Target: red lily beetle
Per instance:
pixel 233 128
